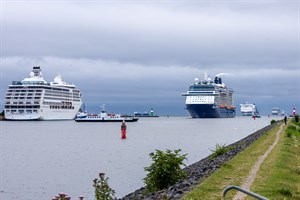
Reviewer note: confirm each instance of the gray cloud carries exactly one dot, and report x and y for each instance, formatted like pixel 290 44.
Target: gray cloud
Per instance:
pixel 148 53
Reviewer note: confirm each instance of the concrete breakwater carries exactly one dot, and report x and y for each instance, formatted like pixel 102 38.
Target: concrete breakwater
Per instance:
pixel 198 171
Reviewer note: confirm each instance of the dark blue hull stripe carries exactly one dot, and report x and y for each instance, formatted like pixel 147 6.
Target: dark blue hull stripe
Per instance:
pixel 208 111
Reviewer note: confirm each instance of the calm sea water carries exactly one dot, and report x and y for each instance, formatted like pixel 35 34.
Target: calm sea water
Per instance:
pixel 41 159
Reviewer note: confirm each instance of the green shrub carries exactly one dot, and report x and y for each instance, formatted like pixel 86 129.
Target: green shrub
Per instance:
pixel 102 189
pixel 273 121
pixel 219 150
pixel 292 127
pixel 165 169
pixel 289 133
pixel 285 192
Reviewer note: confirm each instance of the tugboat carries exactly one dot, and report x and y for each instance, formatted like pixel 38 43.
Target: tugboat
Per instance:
pixel 103 116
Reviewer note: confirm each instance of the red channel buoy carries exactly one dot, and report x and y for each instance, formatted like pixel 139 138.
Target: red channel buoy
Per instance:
pixel 123 130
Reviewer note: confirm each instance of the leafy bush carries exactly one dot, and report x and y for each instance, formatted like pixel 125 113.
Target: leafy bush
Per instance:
pixel 102 189
pixel 273 121
pixel 289 133
pixel 165 169
pixel 292 127
pixel 219 150
pixel 285 192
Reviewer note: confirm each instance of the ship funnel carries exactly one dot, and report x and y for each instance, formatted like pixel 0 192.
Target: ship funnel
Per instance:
pixel 220 81
pixel 216 80
pixel 36 71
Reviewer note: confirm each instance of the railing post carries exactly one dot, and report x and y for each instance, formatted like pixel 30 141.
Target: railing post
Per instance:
pixel 244 191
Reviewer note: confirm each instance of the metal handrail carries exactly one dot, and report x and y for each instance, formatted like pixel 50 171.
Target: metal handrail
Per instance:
pixel 244 191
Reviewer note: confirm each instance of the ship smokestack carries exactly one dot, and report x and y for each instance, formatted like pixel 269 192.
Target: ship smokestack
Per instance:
pixel 216 80
pixel 220 81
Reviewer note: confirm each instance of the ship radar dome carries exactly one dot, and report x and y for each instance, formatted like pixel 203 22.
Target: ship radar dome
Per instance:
pixel 31 74
pixel 196 80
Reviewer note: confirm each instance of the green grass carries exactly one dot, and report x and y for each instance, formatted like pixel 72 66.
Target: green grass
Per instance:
pixel 233 172
pixel 220 149
pixel 279 176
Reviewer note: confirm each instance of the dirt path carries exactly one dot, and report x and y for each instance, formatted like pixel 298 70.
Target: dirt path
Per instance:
pixel 250 179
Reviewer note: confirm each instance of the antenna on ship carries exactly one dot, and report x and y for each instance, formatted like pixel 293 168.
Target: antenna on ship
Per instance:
pixel 205 76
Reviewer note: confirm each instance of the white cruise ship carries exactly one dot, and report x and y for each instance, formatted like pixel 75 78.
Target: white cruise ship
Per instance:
pixel 275 111
pixel 35 99
pixel 248 109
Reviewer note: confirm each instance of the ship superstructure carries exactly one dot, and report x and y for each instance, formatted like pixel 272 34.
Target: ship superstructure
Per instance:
pixel 35 99
pixel 275 111
pixel 248 109
pixel 209 99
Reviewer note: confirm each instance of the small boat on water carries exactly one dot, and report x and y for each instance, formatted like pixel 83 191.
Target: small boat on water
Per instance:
pixel 145 114
pixel 103 116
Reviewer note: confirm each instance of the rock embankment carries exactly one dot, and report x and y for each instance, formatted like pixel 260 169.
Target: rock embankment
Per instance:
pixel 198 171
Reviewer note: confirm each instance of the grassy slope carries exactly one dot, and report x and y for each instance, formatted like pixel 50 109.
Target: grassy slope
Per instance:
pixel 279 177
pixel 234 172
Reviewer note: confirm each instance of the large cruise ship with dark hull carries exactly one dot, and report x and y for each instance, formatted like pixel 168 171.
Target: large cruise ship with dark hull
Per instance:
pixel 210 99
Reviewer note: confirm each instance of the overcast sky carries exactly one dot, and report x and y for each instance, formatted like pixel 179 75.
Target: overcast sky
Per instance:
pixel 137 55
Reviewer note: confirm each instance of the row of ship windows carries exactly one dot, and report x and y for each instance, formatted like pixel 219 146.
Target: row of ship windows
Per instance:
pixel 37 97
pixel 58 98
pixel 38 87
pixel 31 89
pixel 39 94
pixel 38 106
pixel 24 91
pixel 19 106
pixel 58 92
pixel 56 103
pixel 63 99
pixel 200 98
pixel 93 117
pixel 23 94
pixel 23 97
pixel 62 92
pixel 20 111
pixel 21 102
pixel 60 95
pixel 62 107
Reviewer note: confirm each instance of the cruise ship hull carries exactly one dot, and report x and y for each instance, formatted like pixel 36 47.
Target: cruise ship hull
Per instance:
pixel 44 114
pixel 208 111
pixel 247 113
pixel 22 117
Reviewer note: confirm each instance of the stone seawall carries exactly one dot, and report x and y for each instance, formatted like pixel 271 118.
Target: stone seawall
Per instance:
pixel 198 171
